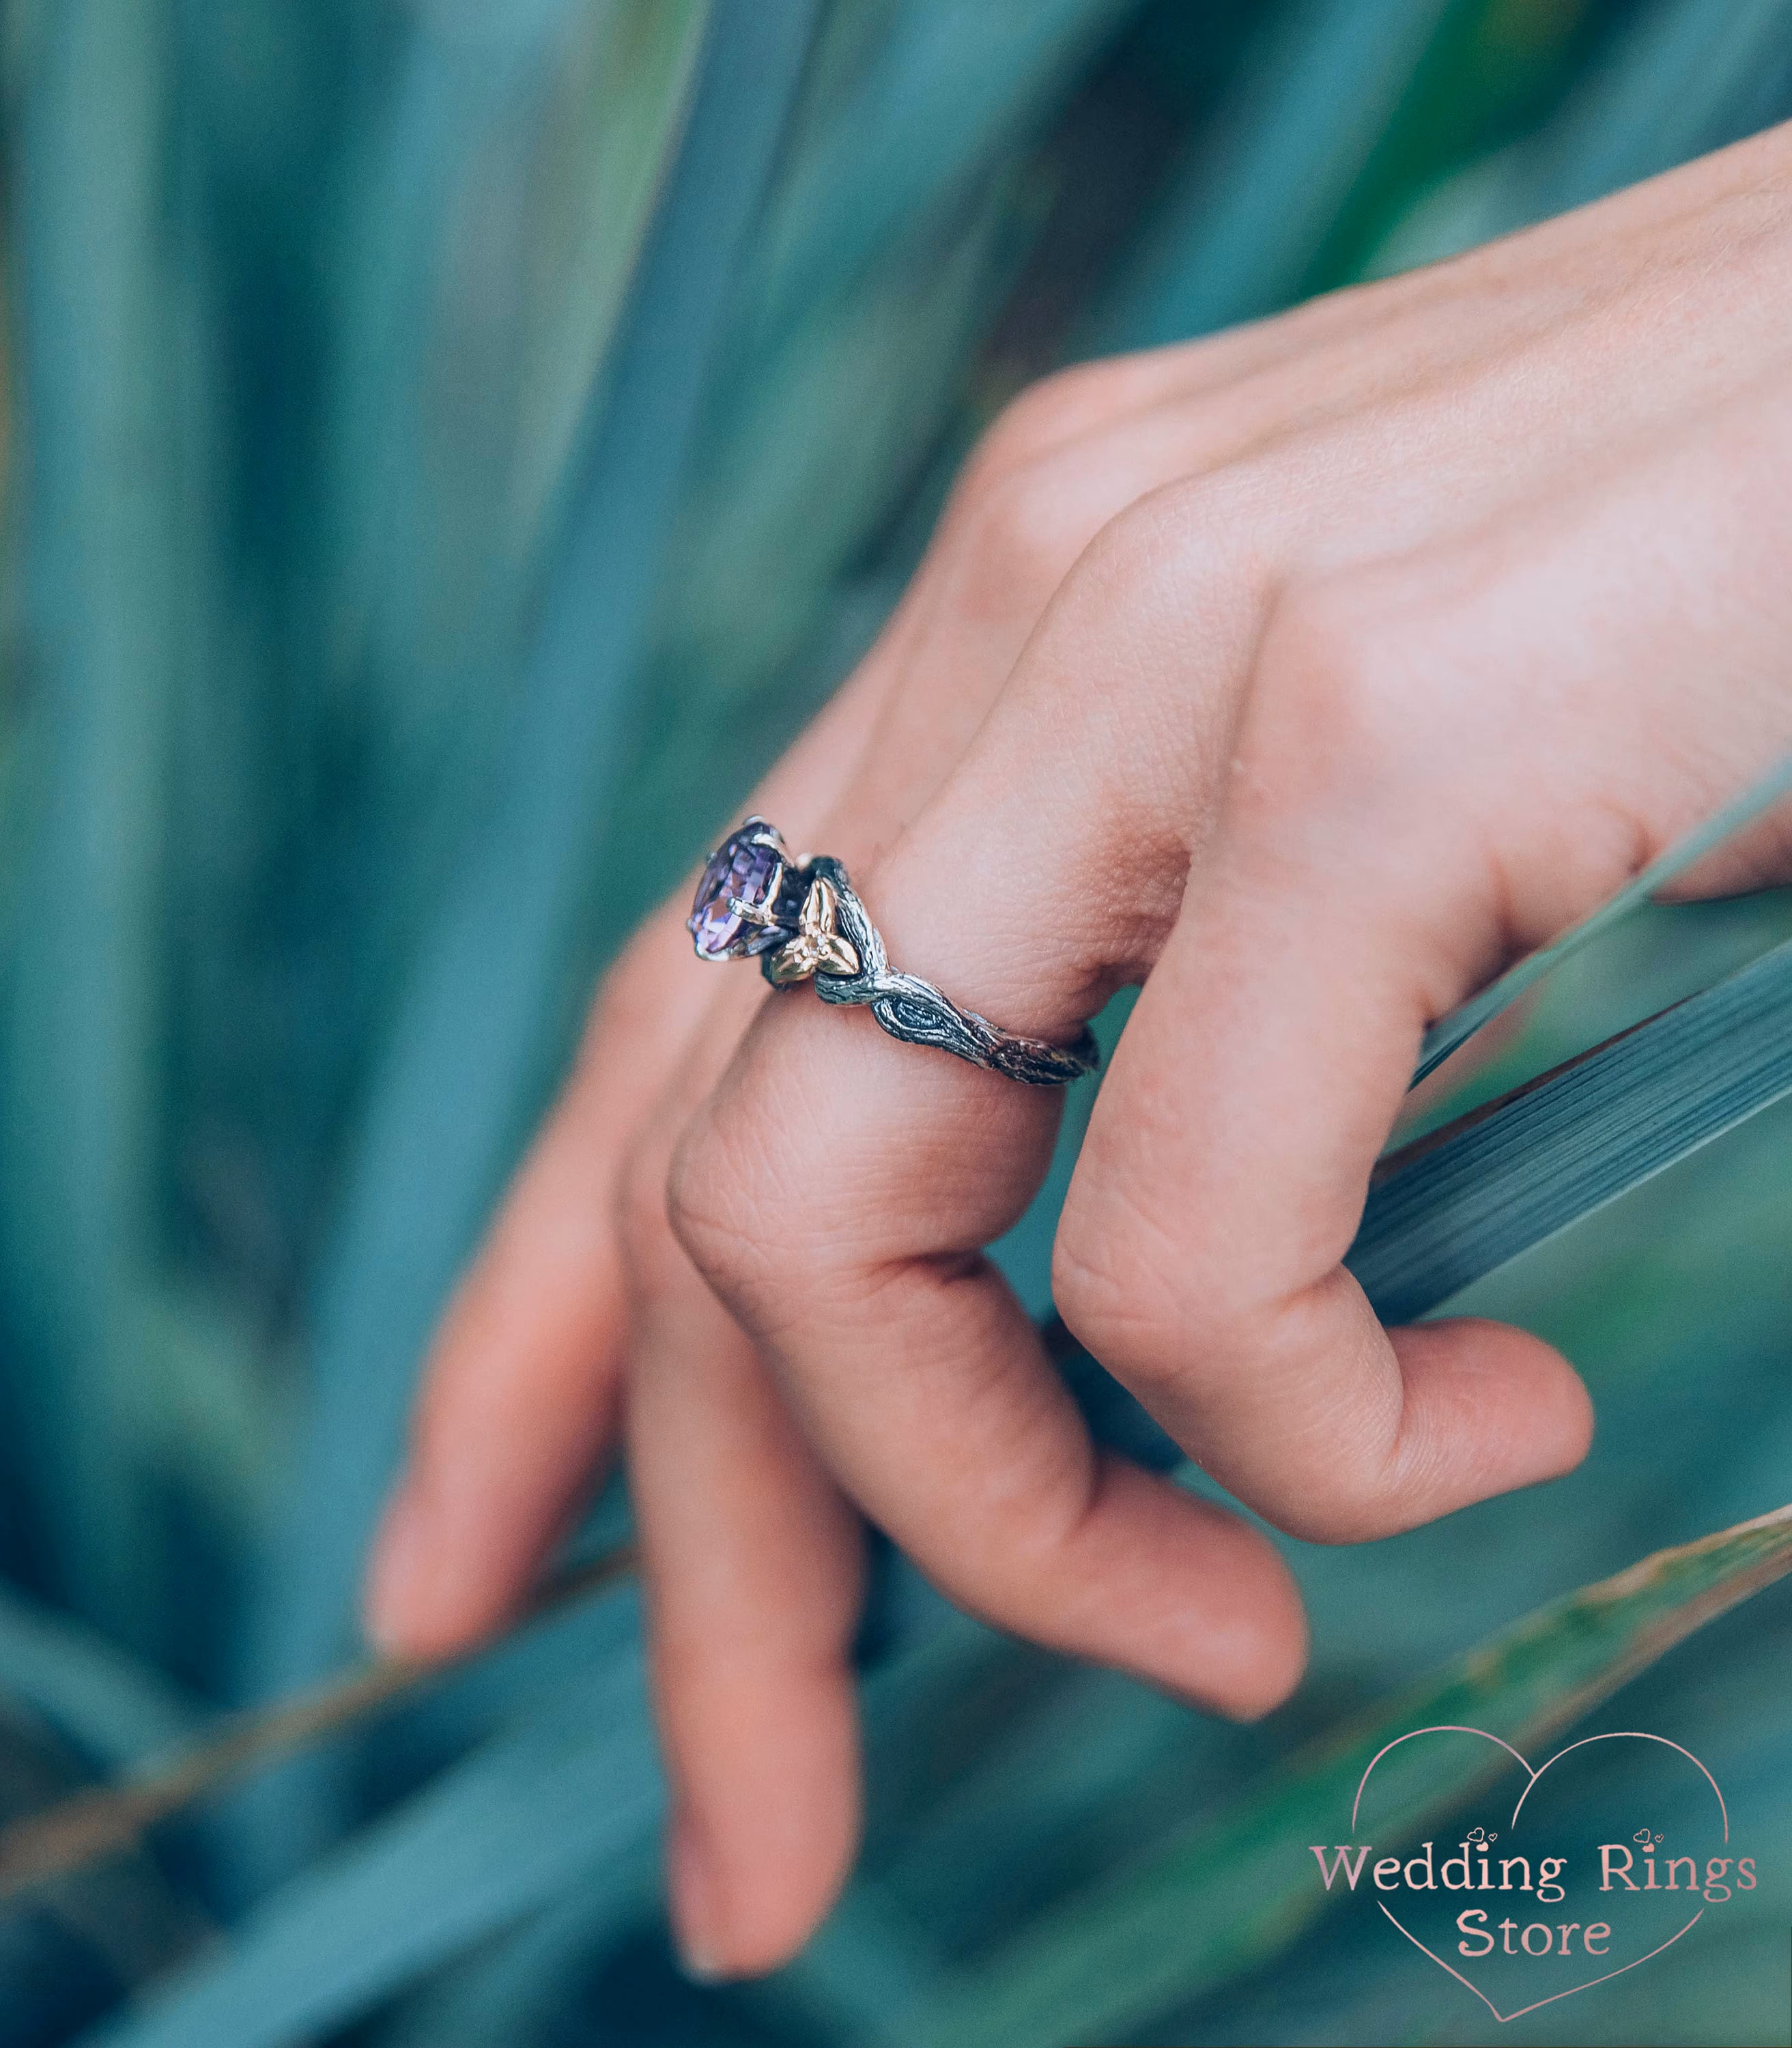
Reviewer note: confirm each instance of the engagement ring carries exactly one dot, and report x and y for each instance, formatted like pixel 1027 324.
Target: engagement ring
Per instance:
pixel 802 920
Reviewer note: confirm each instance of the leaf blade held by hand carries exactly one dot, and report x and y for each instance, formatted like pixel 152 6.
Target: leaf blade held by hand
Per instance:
pixel 1451 1032
pixel 1456 1205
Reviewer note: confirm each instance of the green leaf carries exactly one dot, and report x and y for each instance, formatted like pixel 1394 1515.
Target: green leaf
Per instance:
pixel 1257 198
pixel 481 1026
pixel 569 1802
pixel 1687 78
pixel 105 549
pixel 1461 1202
pixel 116 1709
pixel 1224 1895
pixel 1449 1032
pixel 950 91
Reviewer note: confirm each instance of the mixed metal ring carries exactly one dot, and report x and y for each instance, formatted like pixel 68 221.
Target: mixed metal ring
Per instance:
pixel 802 920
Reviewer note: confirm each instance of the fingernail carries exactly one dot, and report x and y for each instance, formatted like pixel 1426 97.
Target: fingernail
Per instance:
pixel 691 1882
pixel 396 1576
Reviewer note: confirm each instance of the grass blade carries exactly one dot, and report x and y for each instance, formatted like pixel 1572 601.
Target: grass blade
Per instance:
pixel 116 1709
pixel 1456 1204
pixel 948 92
pixel 569 1802
pixel 111 1818
pixel 1686 78
pixel 1449 1032
pixel 104 538
pixel 478 1031
pixel 1222 1896
pixel 1258 199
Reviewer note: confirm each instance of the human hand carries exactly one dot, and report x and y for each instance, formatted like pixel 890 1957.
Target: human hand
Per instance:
pixel 1313 672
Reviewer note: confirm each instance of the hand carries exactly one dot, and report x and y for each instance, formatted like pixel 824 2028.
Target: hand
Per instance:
pixel 1306 675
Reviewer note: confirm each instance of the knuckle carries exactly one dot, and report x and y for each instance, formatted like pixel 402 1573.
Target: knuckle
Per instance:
pixel 1111 1292
pixel 1324 751
pixel 1020 534
pixel 1345 664
pixel 1188 555
pixel 1086 1288
pixel 1322 647
pixel 1359 714
pixel 1050 412
pixel 718 1193
pixel 788 1221
pixel 1334 626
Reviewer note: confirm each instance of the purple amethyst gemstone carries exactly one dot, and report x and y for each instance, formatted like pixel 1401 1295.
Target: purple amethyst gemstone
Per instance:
pixel 740 866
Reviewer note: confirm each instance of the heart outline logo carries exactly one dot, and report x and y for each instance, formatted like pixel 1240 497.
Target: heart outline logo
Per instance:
pixel 1531 1778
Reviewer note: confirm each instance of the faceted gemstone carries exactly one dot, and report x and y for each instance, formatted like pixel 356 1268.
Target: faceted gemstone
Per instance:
pixel 739 867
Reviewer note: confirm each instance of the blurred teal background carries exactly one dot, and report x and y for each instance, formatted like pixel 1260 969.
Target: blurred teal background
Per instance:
pixel 432 427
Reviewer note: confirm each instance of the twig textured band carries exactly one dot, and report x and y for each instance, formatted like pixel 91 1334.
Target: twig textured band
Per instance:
pixel 804 922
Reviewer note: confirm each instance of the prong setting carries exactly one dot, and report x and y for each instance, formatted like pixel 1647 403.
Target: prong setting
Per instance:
pixel 748 899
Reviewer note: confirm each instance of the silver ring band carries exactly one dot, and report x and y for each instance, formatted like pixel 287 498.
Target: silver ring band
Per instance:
pixel 804 922
pixel 916 1012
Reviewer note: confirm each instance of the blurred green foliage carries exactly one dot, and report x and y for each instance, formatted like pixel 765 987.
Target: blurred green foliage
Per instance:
pixel 455 444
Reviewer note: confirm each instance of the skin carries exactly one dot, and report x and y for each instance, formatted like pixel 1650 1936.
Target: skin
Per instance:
pixel 1307 675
